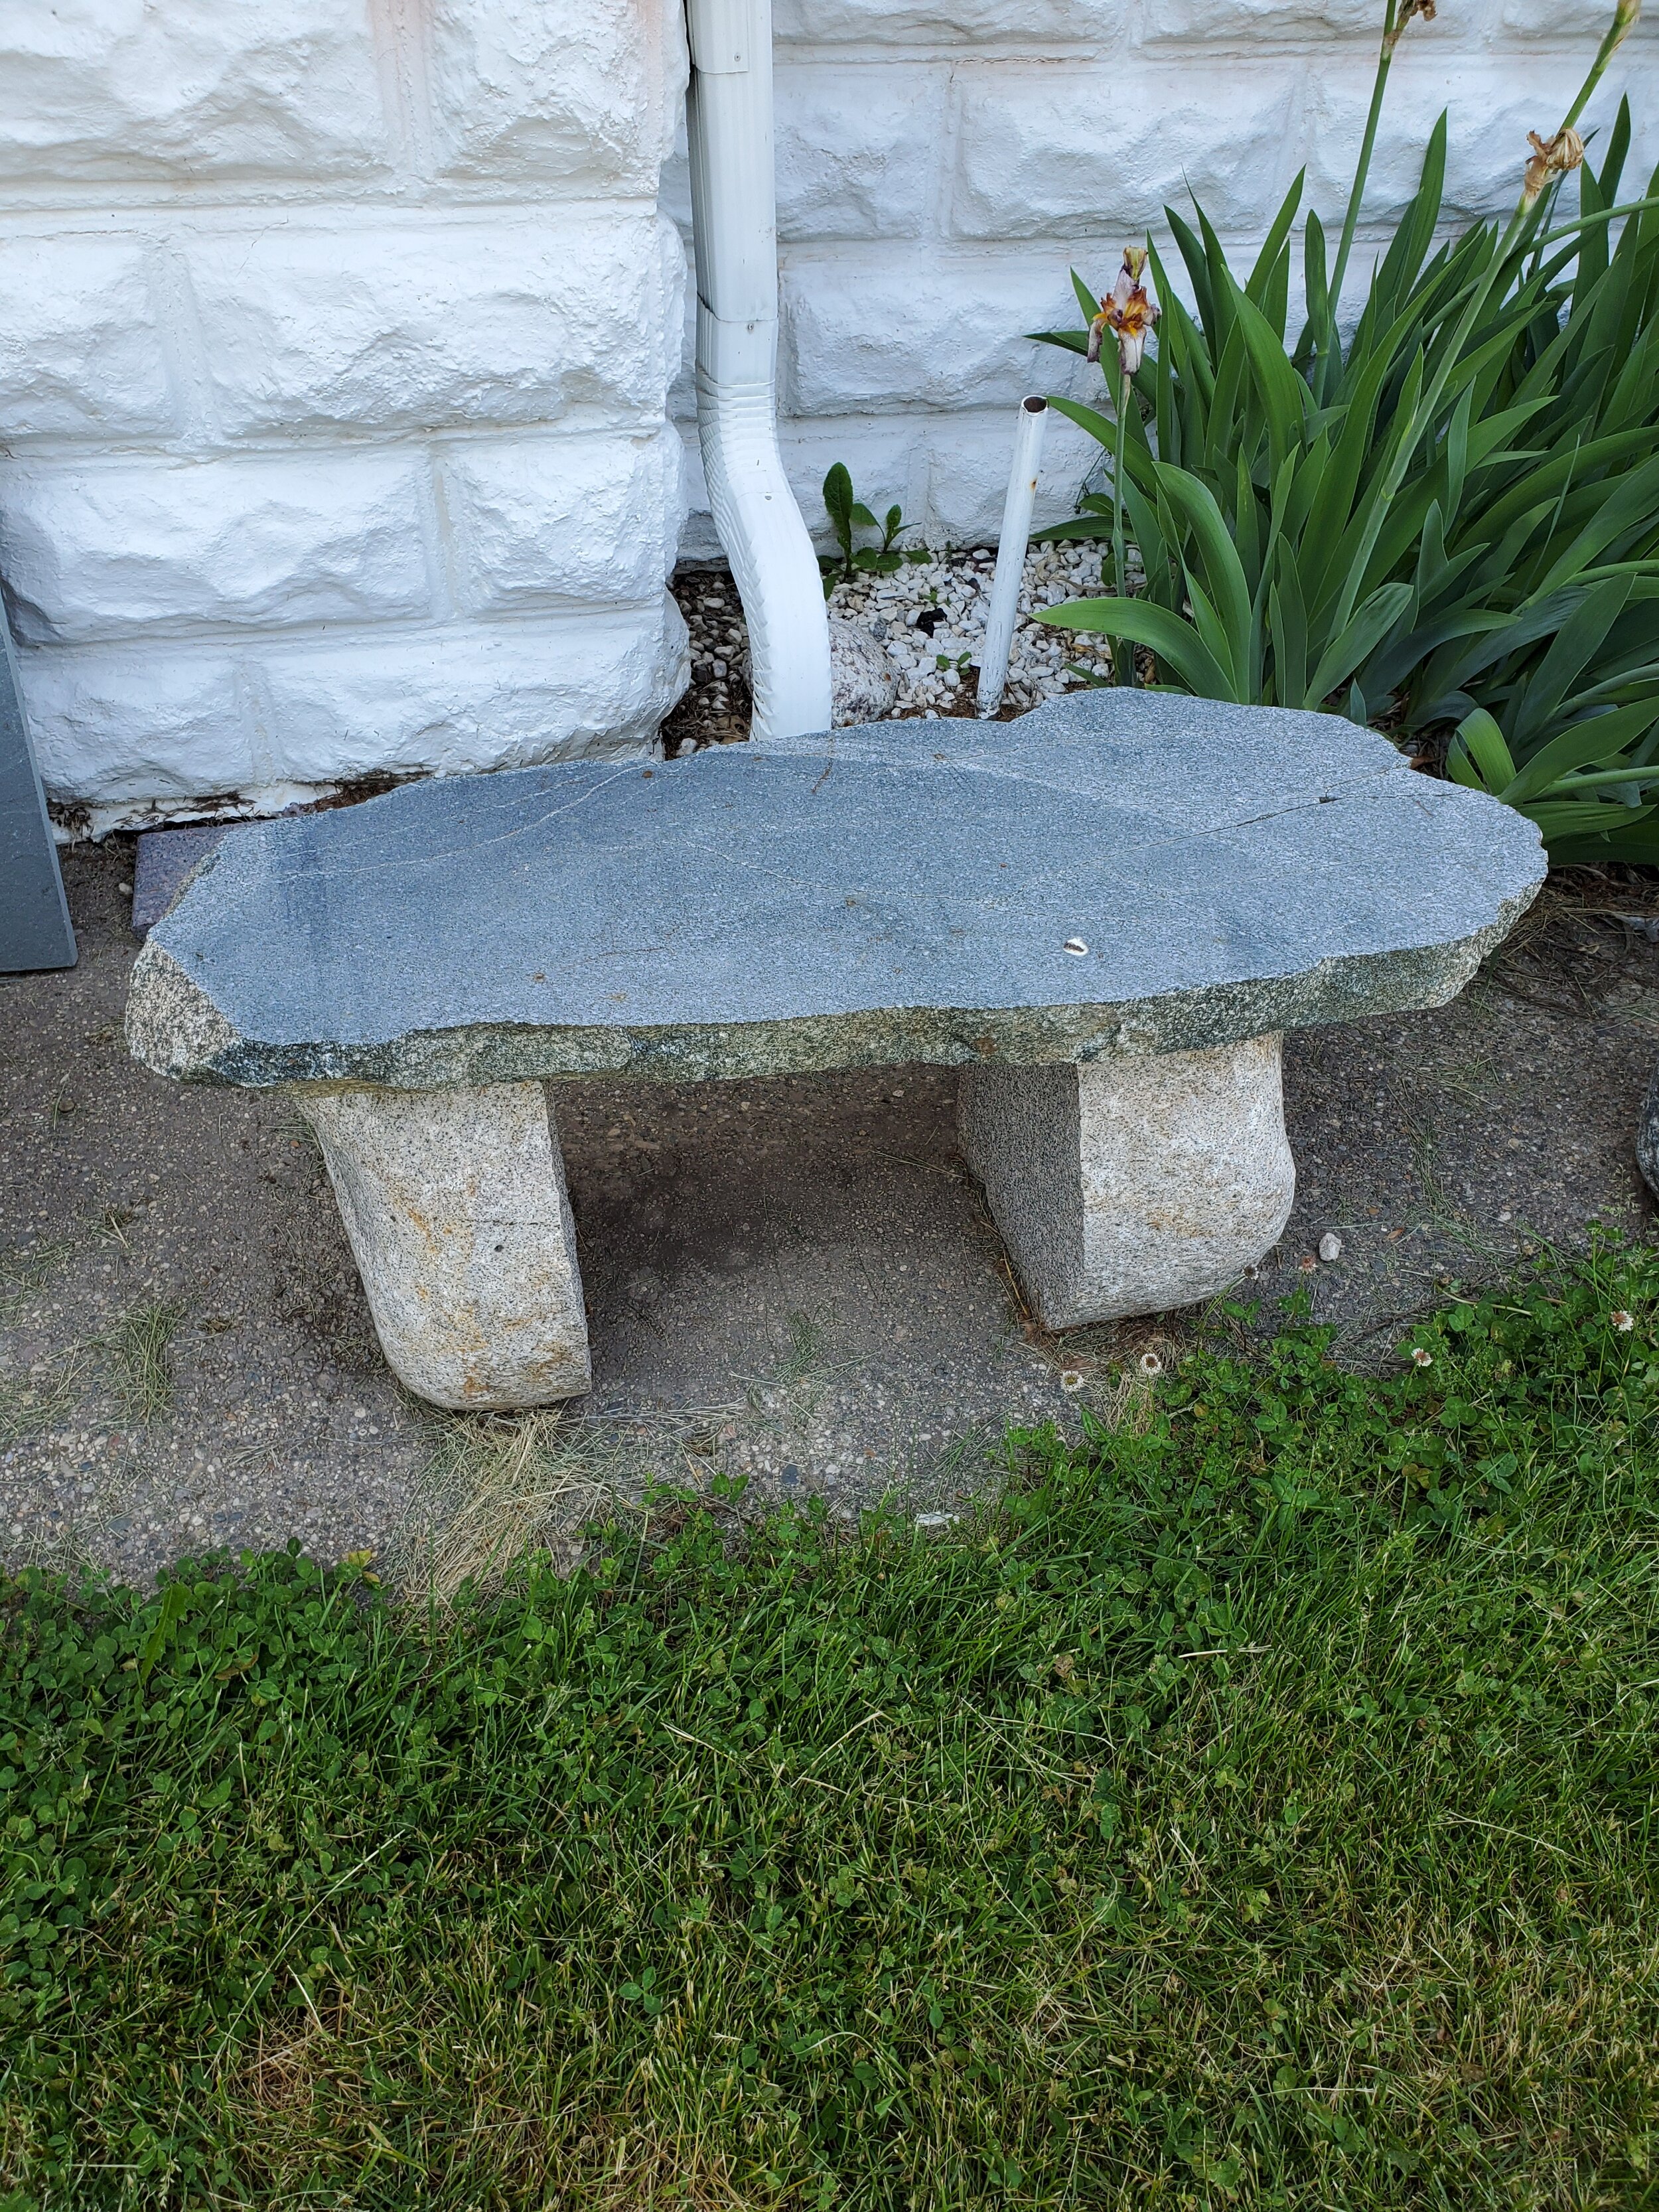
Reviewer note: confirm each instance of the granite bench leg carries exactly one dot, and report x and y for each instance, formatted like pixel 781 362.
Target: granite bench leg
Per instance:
pixel 1128 1186
pixel 454 1202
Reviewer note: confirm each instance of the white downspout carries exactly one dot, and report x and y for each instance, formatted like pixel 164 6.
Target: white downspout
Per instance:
pixel 734 226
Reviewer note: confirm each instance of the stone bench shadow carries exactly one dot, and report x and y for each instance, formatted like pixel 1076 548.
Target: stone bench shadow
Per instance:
pixel 1105 914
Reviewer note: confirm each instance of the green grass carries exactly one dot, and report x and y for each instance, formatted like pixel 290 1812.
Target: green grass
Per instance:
pixel 1256 1809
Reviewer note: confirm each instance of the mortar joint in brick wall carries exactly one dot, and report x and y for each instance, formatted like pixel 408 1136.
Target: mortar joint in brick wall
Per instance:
pixel 161 640
pixel 180 332
pixel 450 564
pixel 944 171
pixel 253 692
pixel 400 33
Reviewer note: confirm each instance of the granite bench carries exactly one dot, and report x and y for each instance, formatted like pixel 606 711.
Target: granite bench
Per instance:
pixel 1104 915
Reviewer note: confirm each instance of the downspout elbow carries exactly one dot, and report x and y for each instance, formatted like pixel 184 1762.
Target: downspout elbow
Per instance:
pixel 734 229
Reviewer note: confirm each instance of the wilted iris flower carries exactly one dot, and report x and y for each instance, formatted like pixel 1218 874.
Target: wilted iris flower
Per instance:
pixel 1128 313
pixel 1553 158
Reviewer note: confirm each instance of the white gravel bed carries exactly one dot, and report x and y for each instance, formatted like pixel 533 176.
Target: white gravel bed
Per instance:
pixel 933 658
pixel 929 617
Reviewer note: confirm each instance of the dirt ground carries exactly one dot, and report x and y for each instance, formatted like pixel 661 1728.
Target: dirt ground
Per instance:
pixel 794 1279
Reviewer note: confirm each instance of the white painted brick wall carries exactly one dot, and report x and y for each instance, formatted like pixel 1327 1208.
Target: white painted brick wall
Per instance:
pixel 117 90
pixel 198 720
pixel 336 338
pixel 335 342
pixel 987 146
pixel 150 548
pixel 553 92
pixel 862 151
pixel 81 347
pixel 566 520
pixel 459 322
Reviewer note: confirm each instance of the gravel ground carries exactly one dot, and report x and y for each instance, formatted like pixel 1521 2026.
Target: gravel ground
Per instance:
pixel 928 616
pixel 793 1280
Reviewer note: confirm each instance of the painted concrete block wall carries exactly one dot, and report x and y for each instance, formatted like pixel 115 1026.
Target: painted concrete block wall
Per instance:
pixel 943 163
pixel 336 338
pixel 334 344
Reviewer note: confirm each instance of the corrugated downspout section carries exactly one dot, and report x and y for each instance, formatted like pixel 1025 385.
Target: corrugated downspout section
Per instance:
pixel 734 224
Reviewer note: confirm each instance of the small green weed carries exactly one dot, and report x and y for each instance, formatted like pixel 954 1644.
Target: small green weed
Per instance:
pixel 1254 1808
pixel 849 515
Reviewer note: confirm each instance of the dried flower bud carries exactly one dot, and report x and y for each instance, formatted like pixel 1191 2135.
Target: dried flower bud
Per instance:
pixel 1563 153
pixel 1407 10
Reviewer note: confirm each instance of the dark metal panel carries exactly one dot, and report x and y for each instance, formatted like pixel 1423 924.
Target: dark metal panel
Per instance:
pixel 34 923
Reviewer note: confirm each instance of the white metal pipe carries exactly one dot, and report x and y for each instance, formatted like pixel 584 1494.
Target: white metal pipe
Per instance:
pixel 734 227
pixel 1011 553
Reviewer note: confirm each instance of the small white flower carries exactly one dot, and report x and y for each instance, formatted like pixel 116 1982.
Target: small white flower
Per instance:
pixel 1071 1379
pixel 1421 1359
pixel 1150 1363
pixel 1623 1322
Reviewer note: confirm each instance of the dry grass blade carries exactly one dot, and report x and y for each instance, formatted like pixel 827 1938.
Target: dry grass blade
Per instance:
pixel 500 1487
pixel 24 1268
pixel 1129 1402
pixel 136 1347
pixel 40 1399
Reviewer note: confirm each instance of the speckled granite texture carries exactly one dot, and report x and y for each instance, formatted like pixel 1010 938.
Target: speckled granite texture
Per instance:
pixel 1132 1186
pixel 456 1207
pixel 891 893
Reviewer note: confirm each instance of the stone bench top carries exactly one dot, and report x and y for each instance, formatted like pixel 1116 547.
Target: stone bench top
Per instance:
pixel 1117 872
